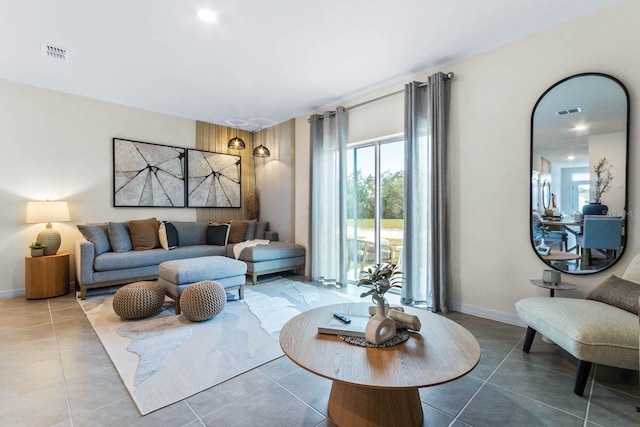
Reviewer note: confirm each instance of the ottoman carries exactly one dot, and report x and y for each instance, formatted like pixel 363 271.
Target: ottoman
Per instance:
pixel 272 258
pixel 203 300
pixel 175 276
pixel 138 300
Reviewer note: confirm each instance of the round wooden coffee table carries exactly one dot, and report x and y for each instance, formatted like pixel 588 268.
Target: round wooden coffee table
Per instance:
pixel 379 386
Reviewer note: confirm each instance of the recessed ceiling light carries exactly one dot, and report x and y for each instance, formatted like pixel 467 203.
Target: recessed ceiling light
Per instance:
pixel 571 157
pixel 207 15
pixel 579 128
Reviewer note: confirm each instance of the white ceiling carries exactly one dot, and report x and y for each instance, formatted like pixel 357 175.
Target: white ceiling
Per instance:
pixel 262 62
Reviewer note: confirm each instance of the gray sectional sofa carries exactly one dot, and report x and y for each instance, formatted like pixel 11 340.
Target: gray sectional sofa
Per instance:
pixel 101 259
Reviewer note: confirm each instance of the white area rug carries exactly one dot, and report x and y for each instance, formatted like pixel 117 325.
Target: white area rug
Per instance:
pixel 166 358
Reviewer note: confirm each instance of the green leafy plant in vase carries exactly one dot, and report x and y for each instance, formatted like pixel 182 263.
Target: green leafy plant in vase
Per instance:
pixel 380 278
pixel 37 249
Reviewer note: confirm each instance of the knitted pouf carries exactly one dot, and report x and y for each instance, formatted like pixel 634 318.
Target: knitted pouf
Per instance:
pixel 202 300
pixel 138 300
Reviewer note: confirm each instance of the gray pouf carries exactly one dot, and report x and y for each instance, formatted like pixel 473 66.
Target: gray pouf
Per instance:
pixel 138 300
pixel 203 300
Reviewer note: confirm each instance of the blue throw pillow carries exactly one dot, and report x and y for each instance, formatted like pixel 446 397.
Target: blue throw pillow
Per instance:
pixel 96 234
pixel 119 237
pixel 168 235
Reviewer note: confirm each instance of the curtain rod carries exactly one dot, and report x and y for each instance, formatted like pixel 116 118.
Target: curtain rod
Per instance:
pixel 449 76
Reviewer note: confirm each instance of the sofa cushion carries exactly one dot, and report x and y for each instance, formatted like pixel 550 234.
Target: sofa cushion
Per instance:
pixel 119 237
pixel 272 251
pixel 168 236
pixel 236 233
pixel 261 227
pixel 96 234
pixel 218 234
pixel 193 270
pixel 617 292
pixel 144 234
pixel 114 261
pixel 191 233
pixel 250 232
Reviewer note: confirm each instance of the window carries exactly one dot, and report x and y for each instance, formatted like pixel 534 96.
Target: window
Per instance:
pixel 375 203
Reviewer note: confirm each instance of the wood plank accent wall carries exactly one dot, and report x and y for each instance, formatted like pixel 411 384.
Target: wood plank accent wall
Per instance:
pixel 210 137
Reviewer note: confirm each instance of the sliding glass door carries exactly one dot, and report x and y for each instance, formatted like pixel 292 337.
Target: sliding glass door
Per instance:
pixel 375 204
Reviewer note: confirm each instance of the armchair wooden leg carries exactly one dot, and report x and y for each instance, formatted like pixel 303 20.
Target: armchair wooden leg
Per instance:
pixel 528 339
pixel 582 375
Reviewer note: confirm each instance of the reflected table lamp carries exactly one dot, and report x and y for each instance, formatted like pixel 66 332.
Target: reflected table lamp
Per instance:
pixel 48 212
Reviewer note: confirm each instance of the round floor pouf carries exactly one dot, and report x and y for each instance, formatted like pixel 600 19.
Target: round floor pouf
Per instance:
pixel 138 300
pixel 202 300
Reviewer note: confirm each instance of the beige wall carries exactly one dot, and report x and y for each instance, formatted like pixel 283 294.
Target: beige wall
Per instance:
pixel 492 98
pixel 58 146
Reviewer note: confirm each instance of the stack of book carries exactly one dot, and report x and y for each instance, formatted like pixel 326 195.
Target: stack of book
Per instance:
pixel 354 328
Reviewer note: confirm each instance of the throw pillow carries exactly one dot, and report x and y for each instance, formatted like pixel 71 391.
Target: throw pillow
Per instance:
pixel 218 234
pixel 168 235
pixel 144 234
pixel 617 292
pixel 250 234
pixel 261 227
pixel 237 230
pixel 119 237
pixel 96 234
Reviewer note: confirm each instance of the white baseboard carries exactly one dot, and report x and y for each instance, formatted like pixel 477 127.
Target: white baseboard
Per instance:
pixel 11 293
pixel 498 316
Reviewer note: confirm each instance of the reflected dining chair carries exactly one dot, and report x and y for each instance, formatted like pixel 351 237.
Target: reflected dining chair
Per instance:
pixel 601 233
pixel 554 236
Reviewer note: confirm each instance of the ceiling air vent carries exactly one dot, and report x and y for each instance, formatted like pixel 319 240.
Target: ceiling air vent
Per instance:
pixel 569 111
pixel 55 52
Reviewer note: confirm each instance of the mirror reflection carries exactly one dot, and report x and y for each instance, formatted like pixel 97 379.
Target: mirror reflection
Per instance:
pixel 579 144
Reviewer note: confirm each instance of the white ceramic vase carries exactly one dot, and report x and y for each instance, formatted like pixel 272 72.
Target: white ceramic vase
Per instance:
pixel 380 327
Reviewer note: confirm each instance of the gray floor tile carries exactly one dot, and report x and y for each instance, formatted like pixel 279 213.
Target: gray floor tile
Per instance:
pixel 42 407
pixel 271 406
pixel 451 397
pixel 84 361
pixel 624 380
pixel 310 388
pixel 216 397
pixel 434 417
pixel 279 368
pixel 124 413
pixel 540 384
pixel 94 390
pixel 547 355
pixel 15 353
pixel 613 408
pixel 489 361
pixel 493 406
pixel 27 377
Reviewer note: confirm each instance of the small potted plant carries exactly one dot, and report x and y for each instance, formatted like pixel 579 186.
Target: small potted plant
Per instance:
pixel 381 278
pixel 37 249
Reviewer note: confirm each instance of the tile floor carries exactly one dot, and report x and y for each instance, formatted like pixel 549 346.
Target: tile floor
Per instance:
pixel 54 372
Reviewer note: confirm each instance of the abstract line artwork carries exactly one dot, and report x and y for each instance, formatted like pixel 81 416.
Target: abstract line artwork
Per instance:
pixel 146 174
pixel 213 180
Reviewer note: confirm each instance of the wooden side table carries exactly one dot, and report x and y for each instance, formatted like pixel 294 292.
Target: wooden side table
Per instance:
pixel 46 276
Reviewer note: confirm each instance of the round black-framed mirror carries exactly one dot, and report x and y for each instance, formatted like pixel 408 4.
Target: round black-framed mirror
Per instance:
pixel 579 158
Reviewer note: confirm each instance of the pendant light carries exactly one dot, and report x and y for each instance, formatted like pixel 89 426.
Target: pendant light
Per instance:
pixel 236 143
pixel 261 150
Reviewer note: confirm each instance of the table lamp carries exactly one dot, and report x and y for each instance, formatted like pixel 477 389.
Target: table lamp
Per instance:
pixel 48 212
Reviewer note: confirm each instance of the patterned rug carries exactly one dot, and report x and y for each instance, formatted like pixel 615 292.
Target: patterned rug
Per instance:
pixel 166 358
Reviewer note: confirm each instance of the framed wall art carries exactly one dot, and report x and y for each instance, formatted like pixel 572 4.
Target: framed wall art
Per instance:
pixel 146 174
pixel 213 180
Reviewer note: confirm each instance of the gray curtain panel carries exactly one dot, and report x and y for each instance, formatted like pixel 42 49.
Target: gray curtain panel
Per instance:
pixel 328 197
pixel 426 229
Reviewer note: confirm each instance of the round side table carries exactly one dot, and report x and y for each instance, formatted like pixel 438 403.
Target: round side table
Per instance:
pixel 562 286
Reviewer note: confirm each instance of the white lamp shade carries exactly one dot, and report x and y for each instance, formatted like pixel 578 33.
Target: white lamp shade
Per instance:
pixel 38 212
